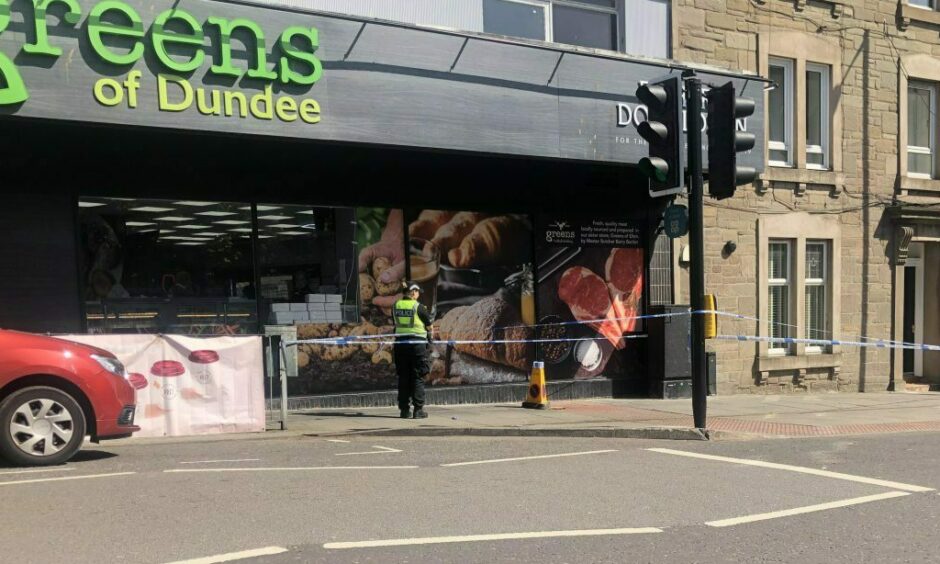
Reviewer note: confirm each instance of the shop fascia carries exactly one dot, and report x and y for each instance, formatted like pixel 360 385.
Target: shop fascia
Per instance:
pixel 176 93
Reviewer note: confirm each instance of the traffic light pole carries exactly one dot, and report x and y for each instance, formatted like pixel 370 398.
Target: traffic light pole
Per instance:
pixel 693 88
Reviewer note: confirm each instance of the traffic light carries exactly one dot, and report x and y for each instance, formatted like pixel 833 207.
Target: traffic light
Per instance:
pixel 663 131
pixel 725 142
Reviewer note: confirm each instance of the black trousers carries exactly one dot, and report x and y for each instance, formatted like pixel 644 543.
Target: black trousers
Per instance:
pixel 412 363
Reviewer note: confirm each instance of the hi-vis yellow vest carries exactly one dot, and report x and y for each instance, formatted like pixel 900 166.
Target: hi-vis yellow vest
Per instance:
pixel 406 318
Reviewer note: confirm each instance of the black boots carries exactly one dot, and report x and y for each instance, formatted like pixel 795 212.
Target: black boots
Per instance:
pixel 405 414
pixel 420 413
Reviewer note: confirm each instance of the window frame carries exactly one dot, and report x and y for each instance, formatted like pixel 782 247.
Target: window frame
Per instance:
pixel 930 5
pixel 817 282
pixel 548 7
pixel 931 88
pixel 612 10
pixel 788 115
pixel 545 5
pixel 825 115
pixel 774 348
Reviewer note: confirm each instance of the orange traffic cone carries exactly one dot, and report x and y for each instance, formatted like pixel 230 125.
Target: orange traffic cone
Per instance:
pixel 536 398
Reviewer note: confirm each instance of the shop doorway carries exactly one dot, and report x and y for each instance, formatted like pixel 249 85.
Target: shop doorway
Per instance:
pixel 914 311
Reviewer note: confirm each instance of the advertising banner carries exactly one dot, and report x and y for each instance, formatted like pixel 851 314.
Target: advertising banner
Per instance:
pixel 590 284
pixel 191 386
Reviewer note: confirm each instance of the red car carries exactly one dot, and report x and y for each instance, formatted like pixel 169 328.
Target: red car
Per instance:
pixel 53 393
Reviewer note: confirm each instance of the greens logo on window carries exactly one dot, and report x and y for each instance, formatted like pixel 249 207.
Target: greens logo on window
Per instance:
pixel 12 89
pixel 177 43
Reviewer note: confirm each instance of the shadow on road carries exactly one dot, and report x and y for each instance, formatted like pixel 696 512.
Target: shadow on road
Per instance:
pixel 80 456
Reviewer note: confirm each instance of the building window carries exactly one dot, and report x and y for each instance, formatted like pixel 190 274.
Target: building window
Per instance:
pixel 921 123
pixel 816 285
pixel 779 295
pixel 306 259
pixel 817 116
pixel 928 4
pixel 516 18
pixel 165 266
pixel 215 268
pixel 780 112
pixel 587 23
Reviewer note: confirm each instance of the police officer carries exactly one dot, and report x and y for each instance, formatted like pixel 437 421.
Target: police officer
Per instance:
pixel 412 358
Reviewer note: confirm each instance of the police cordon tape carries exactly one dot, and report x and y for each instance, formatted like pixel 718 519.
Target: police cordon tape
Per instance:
pixel 880 344
pixel 390 338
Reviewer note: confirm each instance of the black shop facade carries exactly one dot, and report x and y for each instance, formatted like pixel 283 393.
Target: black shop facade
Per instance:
pixel 203 168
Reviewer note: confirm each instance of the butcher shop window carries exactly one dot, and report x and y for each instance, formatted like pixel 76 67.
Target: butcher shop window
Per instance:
pixel 172 266
pixel 306 261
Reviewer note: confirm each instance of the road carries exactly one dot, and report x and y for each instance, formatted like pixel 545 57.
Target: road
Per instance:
pixel 463 499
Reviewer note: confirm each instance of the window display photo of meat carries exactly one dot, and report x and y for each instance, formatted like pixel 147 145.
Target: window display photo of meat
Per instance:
pixel 624 275
pixel 591 275
pixel 586 295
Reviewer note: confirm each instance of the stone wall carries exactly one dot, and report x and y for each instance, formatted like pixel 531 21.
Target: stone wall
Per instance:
pixel 868 42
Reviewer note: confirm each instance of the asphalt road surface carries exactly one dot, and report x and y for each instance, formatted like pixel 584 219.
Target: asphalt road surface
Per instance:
pixel 461 499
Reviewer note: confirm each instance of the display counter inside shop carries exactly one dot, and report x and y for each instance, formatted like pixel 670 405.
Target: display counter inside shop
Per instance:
pixel 184 316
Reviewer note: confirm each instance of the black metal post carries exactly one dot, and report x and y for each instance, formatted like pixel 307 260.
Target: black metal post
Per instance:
pixel 693 87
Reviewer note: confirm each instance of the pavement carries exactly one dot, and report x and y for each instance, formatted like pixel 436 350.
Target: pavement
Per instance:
pixel 738 417
pixel 729 417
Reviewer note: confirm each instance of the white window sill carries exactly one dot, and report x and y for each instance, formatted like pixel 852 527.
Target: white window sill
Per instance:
pixel 797 362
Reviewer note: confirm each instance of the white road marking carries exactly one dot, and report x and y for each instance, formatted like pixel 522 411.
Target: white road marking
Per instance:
pixel 528 457
pixel 800 469
pixel 802 510
pixel 219 461
pixel 286 469
pixel 88 476
pixel 231 556
pixel 384 450
pixel 39 470
pixel 493 537
pixel 337 441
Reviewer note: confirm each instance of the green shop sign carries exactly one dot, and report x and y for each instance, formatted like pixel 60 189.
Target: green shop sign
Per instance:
pixel 116 36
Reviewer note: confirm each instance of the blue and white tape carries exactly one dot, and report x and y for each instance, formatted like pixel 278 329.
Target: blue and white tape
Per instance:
pixel 858 341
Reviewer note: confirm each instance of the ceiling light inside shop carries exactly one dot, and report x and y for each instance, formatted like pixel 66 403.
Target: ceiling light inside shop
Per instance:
pixel 216 213
pixel 265 236
pixel 189 244
pixel 293 233
pixel 284 225
pixel 174 218
pixel 139 223
pixel 194 227
pixel 184 238
pixel 208 234
pixel 195 204
pixel 90 204
pixel 306 212
pixel 151 209
pixel 231 222
pixel 275 217
pixel 240 230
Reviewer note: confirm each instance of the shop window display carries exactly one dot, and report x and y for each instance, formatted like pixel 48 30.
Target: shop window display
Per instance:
pixel 165 266
pixel 476 274
pixel 306 258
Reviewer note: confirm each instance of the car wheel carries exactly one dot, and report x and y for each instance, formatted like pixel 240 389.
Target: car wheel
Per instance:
pixel 40 426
